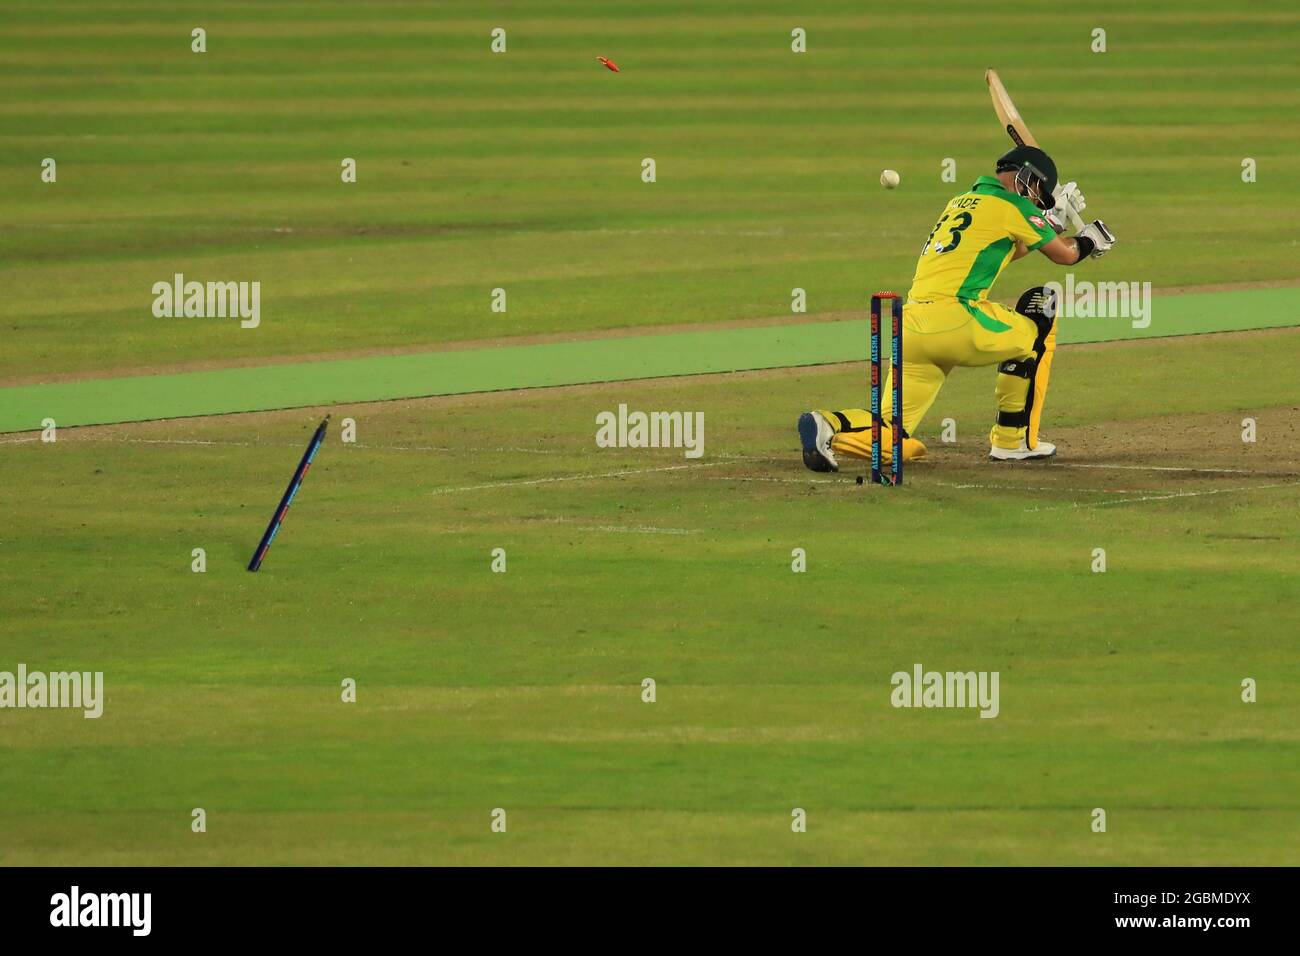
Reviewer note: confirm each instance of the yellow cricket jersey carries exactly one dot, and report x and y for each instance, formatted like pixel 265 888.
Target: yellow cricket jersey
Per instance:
pixel 973 242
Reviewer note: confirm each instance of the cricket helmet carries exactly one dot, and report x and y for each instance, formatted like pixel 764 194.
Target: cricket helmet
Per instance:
pixel 1034 168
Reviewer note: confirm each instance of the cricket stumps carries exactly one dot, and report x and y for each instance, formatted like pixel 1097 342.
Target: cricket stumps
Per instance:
pixel 895 474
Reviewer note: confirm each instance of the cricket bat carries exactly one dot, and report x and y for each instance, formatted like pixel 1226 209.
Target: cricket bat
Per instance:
pixel 1014 124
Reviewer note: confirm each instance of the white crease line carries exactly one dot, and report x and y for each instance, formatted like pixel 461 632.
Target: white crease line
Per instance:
pixel 1176 494
pixel 1209 471
pixel 1075 504
pixel 1084 491
pixel 642 530
pixel 73 440
pixel 183 441
pixel 583 477
pixel 1050 465
pixel 927 482
pixel 788 481
pixel 262 444
pixel 500 451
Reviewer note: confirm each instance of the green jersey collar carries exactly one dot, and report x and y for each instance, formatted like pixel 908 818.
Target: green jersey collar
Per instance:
pixel 992 185
pixel 991 182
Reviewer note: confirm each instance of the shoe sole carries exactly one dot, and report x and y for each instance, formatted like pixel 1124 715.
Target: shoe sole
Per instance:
pixel 1025 457
pixel 808 438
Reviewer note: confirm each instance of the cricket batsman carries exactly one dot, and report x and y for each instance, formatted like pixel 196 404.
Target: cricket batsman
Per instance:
pixel 950 321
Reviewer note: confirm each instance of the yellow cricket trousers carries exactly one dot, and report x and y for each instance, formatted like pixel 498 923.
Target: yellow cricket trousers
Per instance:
pixel 938 336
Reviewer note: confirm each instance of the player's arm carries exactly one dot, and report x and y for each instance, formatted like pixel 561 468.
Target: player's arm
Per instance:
pixel 1093 240
pixel 1063 250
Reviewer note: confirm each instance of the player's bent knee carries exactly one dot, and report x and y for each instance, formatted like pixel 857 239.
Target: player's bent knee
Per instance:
pixel 1039 306
pixel 1020 368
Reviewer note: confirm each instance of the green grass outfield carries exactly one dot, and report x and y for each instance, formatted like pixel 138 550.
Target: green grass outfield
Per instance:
pixel 522 690
pixel 522 170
